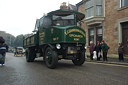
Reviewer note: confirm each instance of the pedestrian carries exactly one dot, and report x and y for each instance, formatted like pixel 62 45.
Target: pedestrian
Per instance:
pixel 104 48
pixel 98 50
pixel 3 50
pixel 127 46
pixel 120 52
pixel 127 43
pixel 91 49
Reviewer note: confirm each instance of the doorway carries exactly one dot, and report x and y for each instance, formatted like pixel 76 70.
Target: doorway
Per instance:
pixel 125 36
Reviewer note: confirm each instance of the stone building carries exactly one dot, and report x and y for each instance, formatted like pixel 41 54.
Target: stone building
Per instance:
pixel 106 20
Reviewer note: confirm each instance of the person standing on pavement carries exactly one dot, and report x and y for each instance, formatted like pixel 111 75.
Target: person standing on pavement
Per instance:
pixel 98 50
pixel 120 52
pixel 104 48
pixel 3 50
pixel 91 49
pixel 127 43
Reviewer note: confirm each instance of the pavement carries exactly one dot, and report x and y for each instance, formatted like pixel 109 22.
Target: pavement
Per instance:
pixel 110 61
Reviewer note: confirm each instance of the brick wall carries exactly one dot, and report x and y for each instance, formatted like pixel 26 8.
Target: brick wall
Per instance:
pixel 84 26
pixel 113 13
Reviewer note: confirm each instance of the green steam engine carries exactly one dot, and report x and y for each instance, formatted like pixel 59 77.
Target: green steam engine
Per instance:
pixel 56 36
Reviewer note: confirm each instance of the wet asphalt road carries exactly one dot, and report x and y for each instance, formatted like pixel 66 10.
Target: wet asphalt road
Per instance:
pixel 18 72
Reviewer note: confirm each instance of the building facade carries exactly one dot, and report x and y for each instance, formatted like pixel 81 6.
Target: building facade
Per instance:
pixel 106 20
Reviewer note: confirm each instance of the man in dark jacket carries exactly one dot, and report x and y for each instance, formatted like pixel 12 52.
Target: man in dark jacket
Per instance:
pixel 3 50
pixel 120 52
pixel 105 48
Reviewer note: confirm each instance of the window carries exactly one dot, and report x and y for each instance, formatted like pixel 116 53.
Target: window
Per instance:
pixel 90 6
pixel 45 22
pixel 98 7
pixel 89 9
pixel 99 34
pixel 124 3
pixel 63 20
pixel 91 35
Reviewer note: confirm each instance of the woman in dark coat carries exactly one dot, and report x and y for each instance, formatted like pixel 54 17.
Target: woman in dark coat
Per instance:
pixel 91 49
pixel 98 50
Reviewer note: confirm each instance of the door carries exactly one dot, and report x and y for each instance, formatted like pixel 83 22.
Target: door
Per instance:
pixel 125 36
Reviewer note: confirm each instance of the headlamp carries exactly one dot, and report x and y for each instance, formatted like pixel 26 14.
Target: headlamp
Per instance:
pixel 58 46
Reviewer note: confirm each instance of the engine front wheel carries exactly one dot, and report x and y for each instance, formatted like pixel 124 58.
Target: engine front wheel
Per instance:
pixel 51 58
pixel 80 59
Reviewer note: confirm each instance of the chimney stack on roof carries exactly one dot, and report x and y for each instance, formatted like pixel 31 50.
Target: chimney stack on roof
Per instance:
pixel 63 5
pixel 69 6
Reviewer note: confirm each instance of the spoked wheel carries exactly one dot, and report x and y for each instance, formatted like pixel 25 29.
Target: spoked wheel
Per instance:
pixel 51 58
pixel 30 55
pixel 80 59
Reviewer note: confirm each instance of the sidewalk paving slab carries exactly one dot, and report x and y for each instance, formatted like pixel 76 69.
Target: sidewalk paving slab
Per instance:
pixel 110 61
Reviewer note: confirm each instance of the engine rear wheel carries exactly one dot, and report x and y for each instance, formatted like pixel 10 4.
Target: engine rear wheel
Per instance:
pixel 80 59
pixel 51 58
pixel 30 55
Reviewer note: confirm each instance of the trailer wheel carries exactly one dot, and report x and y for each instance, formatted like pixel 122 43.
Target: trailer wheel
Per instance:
pixel 80 59
pixel 30 55
pixel 51 58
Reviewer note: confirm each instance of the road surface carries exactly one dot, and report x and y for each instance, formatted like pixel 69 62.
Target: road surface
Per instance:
pixel 18 72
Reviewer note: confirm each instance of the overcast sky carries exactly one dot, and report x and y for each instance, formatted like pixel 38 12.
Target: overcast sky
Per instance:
pixel 19 16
